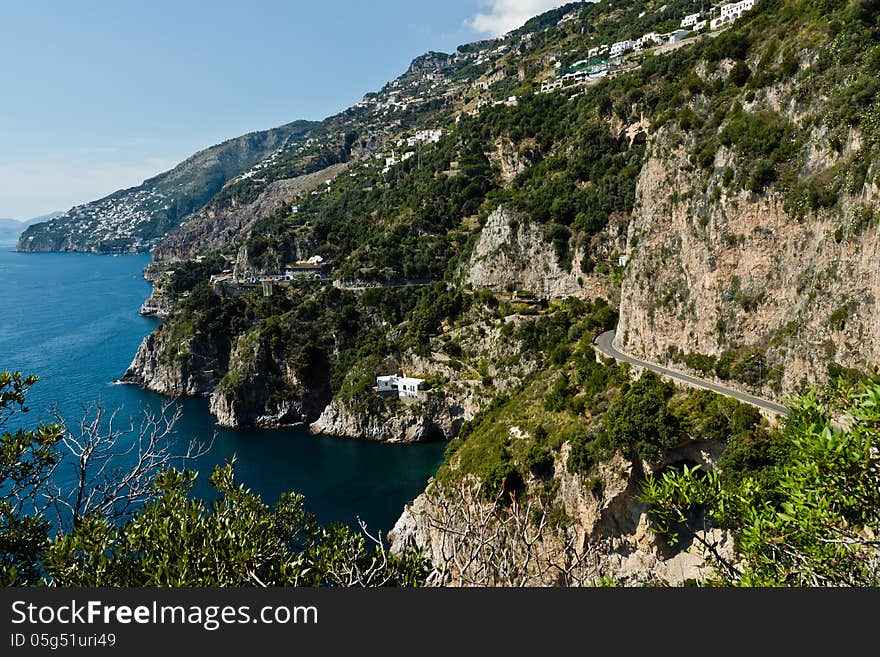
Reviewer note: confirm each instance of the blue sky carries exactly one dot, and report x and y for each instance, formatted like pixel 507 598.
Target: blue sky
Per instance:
pixel 97 95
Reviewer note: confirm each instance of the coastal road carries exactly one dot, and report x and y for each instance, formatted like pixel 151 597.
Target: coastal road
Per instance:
pixel 605 345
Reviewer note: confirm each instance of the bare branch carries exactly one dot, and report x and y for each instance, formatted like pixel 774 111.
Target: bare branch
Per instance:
pixel 113 467
pixel 482 542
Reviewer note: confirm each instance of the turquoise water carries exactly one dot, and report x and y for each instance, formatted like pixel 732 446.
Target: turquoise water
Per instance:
pixel 72 320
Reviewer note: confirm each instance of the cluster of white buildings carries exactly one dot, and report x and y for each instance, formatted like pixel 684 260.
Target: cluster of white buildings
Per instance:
pixel 117 217
pixel 582 72
pixel 421 137
pixel 393 159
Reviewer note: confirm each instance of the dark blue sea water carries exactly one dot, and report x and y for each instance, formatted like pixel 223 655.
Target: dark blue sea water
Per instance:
pixel 72 319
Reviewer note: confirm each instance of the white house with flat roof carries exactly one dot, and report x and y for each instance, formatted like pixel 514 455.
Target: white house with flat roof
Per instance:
pixel 404 386
pixel 690 19
pixel 620 47
pixel 731 12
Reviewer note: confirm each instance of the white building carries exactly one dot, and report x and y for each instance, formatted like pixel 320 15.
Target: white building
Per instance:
pixel 404 386
pixel 620 47
pixel 678 35
pixel 422 137
pixel 731 12
pixel 647 40
pixel 550 85
pixel 690 19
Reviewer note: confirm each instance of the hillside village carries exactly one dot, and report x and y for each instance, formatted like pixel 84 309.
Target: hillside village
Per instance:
pixel 595 66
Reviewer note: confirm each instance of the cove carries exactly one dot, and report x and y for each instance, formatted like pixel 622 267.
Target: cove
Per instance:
pixel 72 319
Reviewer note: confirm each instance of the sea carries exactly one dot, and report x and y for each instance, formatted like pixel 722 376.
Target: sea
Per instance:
pixel 72 320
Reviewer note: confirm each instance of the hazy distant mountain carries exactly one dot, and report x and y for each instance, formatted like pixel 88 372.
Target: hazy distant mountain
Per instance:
pixel 42 218
pixel 134 219
pixel 11 229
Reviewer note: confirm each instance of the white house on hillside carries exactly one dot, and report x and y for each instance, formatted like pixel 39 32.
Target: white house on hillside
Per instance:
pixel 620 47
pixel 730 12
pixel 690 19
pixel 404 386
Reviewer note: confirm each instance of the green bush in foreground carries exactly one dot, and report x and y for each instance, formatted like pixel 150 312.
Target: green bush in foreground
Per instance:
pixel 809 514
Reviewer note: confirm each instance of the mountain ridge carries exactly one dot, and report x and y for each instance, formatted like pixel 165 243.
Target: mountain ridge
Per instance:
pixel 135 218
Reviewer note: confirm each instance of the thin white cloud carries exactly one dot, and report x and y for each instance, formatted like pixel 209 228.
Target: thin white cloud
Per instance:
pixel 502 16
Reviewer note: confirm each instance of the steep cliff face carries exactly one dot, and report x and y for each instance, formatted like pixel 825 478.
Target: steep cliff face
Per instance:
pixel 260 391
pixel 432 418
pixel 160 303
pixel 176 367
pixel 512 253
pixel 713 270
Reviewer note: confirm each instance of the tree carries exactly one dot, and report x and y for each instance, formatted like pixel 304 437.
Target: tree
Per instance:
pixel 139 525
pixel 236 540
pixel 27 460
pixel 814 518
pixel 114 469
pixel 480 541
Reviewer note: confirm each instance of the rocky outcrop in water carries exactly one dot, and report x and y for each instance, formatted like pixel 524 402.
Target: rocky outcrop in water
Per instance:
pixel 175 367
pixel 433 418
pixel 259 390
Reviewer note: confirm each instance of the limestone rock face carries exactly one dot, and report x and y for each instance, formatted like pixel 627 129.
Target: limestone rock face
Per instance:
pixel 712 270
pixel 609 522
pixel 512 253
pixel 217 225
pixel 185 368
pixel 259 390
pixel 160 303
pixel 431 419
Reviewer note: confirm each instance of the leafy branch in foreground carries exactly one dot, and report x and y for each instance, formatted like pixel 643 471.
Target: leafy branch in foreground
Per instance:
pixel 809 519
pixel 235 540
pixel 130 519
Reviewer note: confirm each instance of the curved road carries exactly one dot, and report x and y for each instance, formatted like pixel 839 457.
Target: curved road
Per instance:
pixel 605 345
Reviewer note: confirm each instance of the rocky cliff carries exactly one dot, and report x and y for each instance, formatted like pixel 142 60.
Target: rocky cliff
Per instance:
pixel 607 536
pixel 259 390
pixel 715 271
pixel 218 225
pixel 512 253
pixel 432 418
pixel 174 366
pixel 161 301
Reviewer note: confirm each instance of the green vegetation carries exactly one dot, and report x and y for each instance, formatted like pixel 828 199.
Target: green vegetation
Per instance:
pixel 801 501
pixel 173 540
pixel 513 444
pixel 745 364
pixel 564 164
